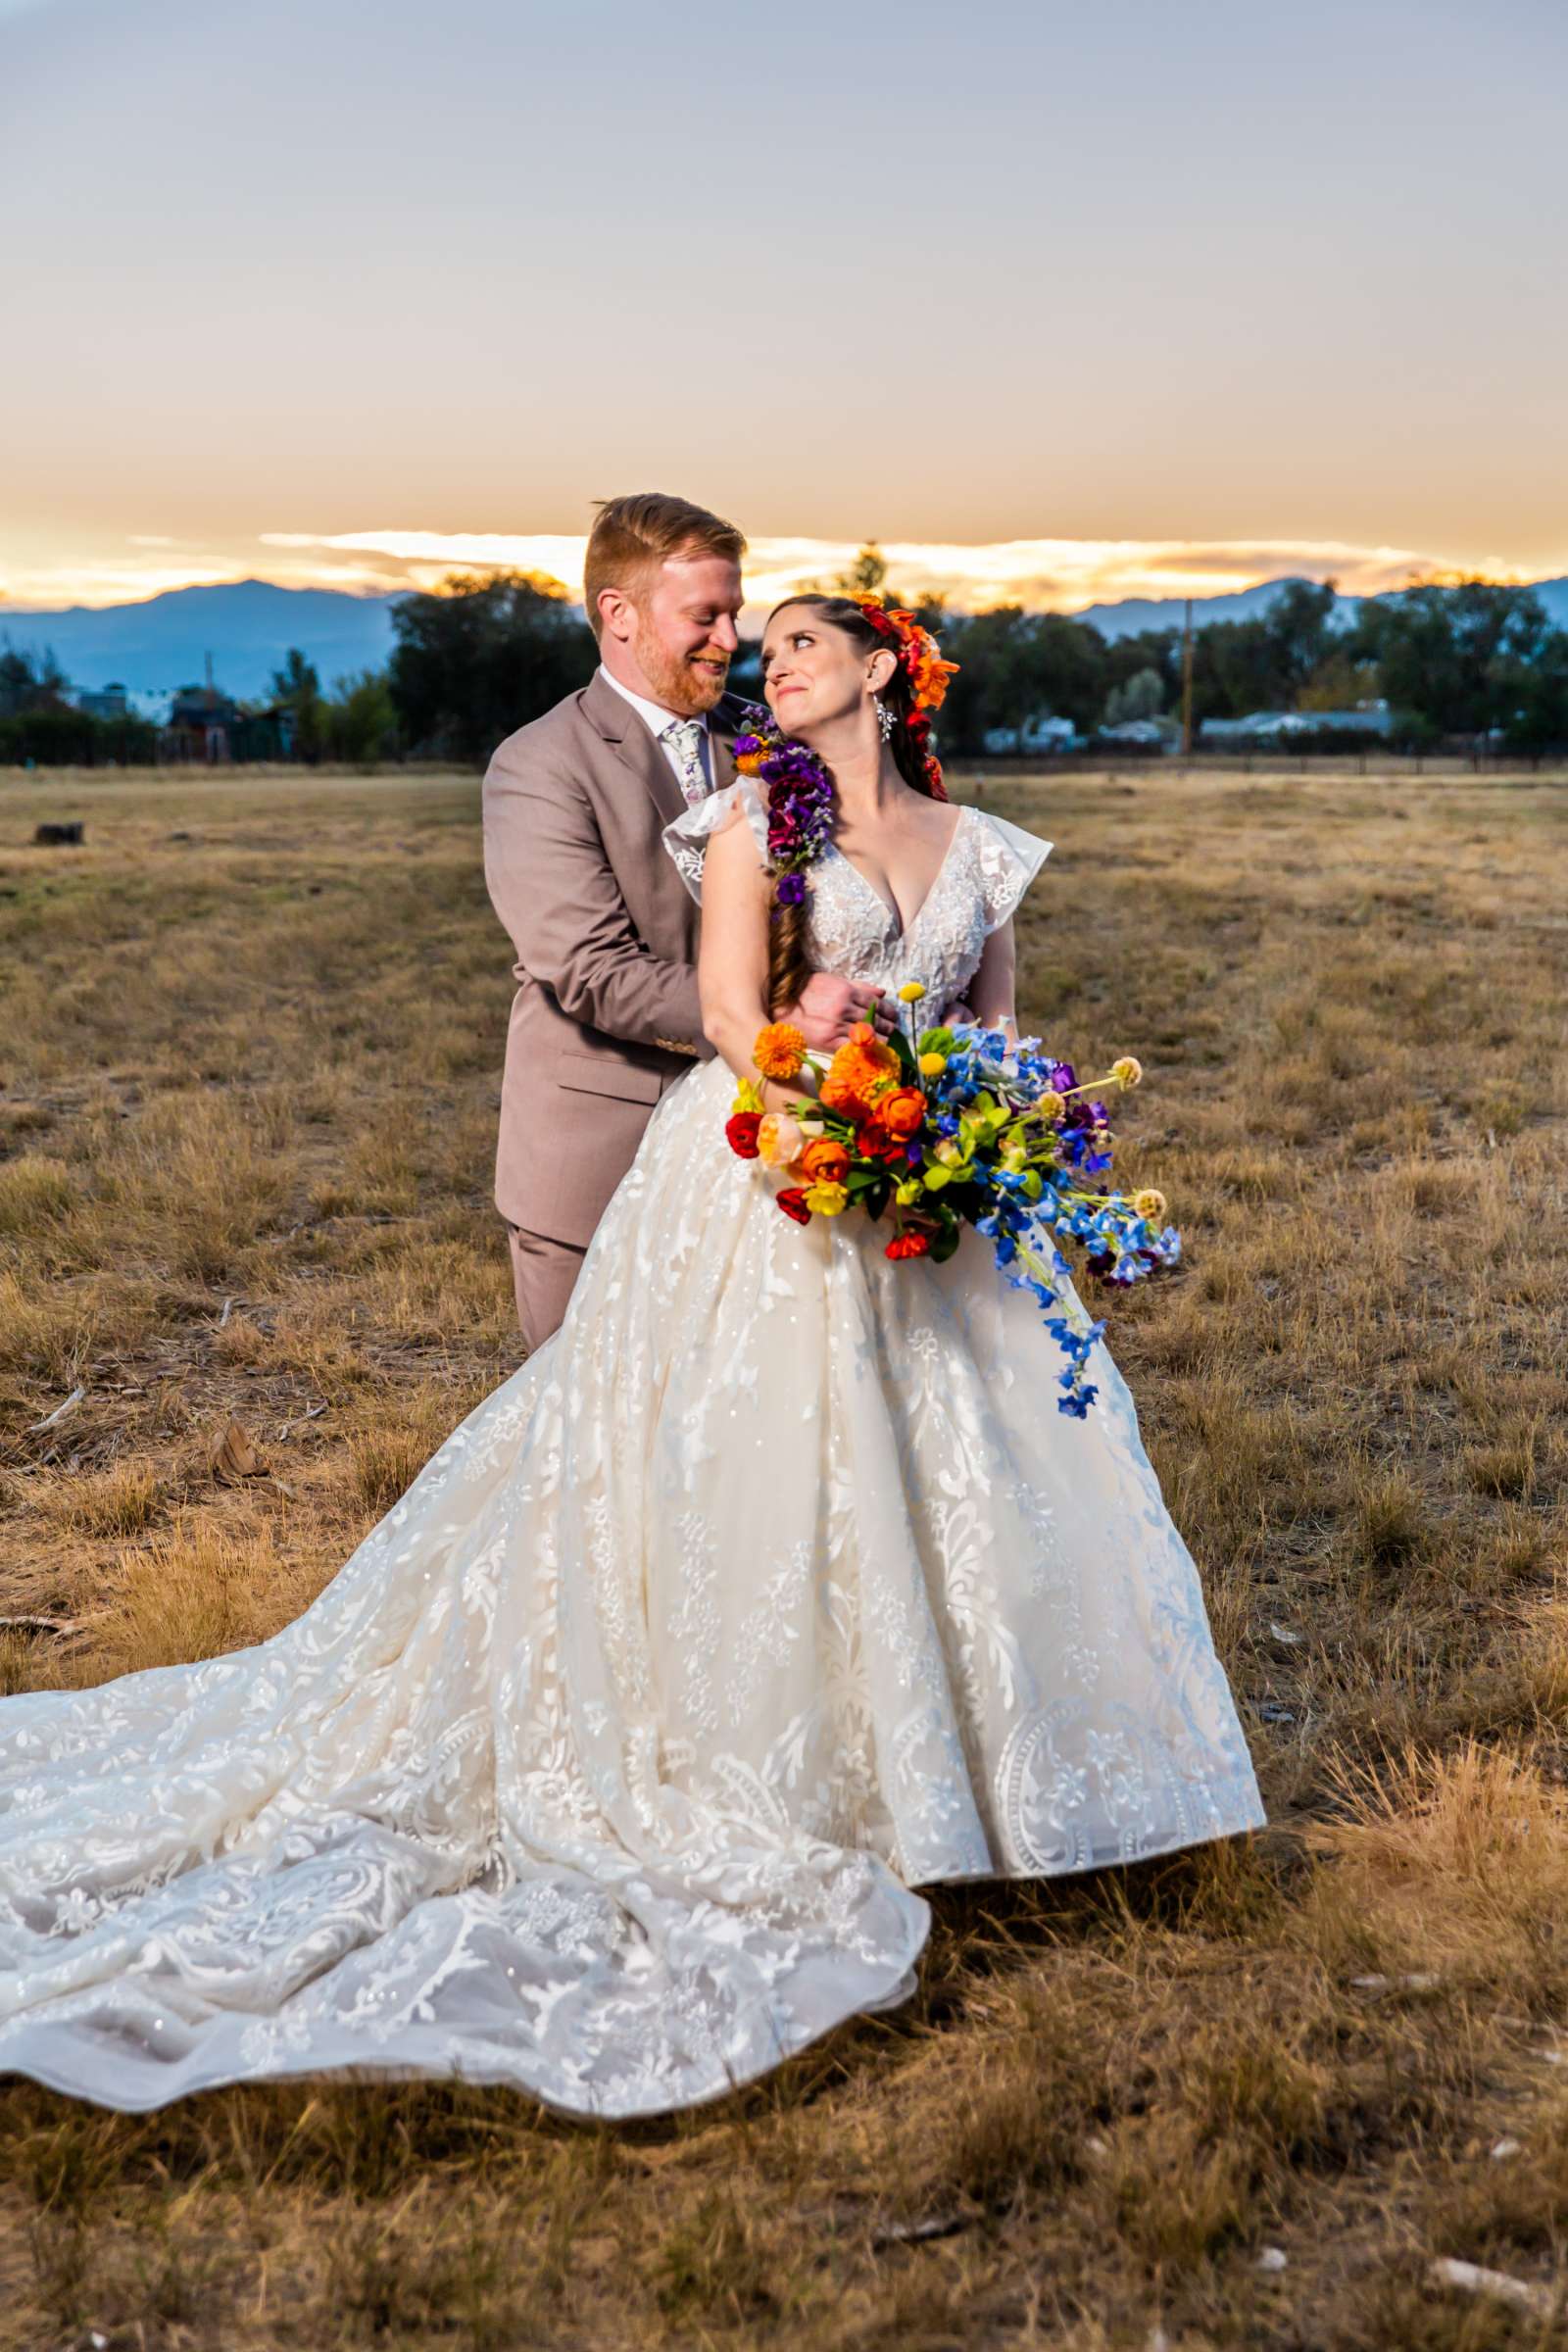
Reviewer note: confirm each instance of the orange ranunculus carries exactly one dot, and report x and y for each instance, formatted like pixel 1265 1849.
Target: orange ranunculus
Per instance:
pixel 780 1051
pixel 825 1161
pixel 902 1112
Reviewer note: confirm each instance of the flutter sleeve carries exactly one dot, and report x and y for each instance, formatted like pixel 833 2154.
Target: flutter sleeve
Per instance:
pixel 687 837
pixel 1010 859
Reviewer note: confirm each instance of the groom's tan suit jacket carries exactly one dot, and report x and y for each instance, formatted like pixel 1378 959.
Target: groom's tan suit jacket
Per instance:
pixel 606 1015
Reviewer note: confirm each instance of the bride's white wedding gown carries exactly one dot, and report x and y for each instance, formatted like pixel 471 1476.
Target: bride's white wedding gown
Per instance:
pixel 774 1587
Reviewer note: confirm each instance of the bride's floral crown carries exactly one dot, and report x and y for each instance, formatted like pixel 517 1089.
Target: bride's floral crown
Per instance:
pixel 799 785
pixel 918 655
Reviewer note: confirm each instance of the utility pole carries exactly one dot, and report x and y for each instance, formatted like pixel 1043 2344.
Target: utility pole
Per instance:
pixel 1187 682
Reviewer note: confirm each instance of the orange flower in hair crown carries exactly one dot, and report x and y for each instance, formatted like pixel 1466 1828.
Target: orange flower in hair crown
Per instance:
pixel 919 656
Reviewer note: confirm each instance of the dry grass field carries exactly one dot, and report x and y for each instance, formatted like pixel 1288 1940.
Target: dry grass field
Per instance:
pixel 1248 2096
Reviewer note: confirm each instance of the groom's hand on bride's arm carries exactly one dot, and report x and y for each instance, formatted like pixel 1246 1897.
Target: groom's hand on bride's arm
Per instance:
pixel 830 1005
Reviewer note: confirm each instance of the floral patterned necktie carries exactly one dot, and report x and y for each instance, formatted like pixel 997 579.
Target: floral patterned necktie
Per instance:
pixel 685 736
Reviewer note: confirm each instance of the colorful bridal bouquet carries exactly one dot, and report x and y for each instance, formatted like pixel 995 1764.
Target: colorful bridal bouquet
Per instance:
pixel 966 1126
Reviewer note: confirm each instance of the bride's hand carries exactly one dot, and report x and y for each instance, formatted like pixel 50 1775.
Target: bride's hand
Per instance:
pixel 830 1006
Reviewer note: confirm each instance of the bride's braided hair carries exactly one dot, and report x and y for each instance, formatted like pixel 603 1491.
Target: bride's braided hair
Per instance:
pixel 916 688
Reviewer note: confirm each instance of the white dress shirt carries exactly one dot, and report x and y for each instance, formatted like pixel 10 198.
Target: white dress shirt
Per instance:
pixel 656 718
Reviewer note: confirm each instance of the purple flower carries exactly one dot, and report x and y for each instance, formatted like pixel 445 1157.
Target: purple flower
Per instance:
pixel 788 890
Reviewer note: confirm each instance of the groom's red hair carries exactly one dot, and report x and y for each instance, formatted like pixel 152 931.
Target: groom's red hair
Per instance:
pixel 632 536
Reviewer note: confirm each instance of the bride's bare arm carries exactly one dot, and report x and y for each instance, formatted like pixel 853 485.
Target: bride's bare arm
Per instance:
pixel 732 966
pixel 732 958
pixel 732 954
pixel 992 991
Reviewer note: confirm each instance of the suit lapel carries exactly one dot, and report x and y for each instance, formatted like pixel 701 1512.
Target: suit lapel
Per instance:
pixel 621 725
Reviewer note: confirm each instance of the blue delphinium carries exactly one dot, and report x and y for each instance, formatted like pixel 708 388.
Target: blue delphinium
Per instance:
pixel 1026 1201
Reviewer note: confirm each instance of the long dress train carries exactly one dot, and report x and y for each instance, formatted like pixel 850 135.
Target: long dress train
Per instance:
pixel 771 1589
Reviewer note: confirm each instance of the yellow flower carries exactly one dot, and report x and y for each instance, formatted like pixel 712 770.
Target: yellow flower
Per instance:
pixel 1150 1204
pixel 911 992
pixel 826 1199
pixel 909 1191
pixel 781 1049
pixel 932 1065
pixel 747 1097
pixel 1052 1106
pixel 1128 1070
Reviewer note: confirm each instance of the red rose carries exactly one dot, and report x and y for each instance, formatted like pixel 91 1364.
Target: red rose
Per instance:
pixel 741 1131
pixel 914 1244
pixel 792 1204
pixel 874 1142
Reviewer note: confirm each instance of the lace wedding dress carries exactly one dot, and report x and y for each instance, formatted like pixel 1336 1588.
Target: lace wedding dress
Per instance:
pixel 771 1589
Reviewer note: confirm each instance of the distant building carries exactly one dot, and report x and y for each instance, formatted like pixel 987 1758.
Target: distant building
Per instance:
pixel 1037 734
pixel 1149 734
pixel 210 728
pixel 106 702
pixel 201 726
pixel 1277 727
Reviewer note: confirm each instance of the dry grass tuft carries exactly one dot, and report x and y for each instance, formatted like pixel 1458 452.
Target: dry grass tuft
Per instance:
pixel 247 1100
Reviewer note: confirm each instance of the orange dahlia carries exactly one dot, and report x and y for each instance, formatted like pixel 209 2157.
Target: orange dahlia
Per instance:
pixel 780 1050
pixel 859 1070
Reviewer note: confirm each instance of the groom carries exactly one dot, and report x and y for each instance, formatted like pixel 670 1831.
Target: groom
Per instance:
pixel 606 1013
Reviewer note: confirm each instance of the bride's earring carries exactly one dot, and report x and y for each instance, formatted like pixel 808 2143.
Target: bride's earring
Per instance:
pixel 885 718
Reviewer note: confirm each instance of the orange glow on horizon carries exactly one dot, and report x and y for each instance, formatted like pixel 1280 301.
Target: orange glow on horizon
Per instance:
pixel 1061 575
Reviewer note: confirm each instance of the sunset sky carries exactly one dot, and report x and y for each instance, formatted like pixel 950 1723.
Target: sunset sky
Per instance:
pixel 1068 303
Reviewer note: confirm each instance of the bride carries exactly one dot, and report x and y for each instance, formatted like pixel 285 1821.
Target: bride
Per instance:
pixel 771 1589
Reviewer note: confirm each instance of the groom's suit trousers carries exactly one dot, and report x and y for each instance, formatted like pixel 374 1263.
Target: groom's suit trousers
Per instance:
pixel 543 1273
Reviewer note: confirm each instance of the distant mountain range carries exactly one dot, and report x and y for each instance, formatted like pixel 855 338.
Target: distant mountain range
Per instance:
pixel 1137 613
pixel 248 625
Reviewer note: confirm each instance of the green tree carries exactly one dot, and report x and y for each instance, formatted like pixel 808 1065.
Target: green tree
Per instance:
pixel 30 682
pixel 361 719
pixel 480 657
pixel 1142 696
pixel 1128 658
pixel 867 576
pixel 297 689
pixel 1339 682
pixel 1016 665
pixel 1538 718
pixel 1455 660
pixel 1240 666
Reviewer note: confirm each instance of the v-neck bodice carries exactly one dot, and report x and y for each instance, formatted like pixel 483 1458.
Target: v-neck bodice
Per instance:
pixel 851 929
pixel 895 912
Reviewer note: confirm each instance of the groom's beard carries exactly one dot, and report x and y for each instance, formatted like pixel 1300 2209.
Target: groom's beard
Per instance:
pixel 690 684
